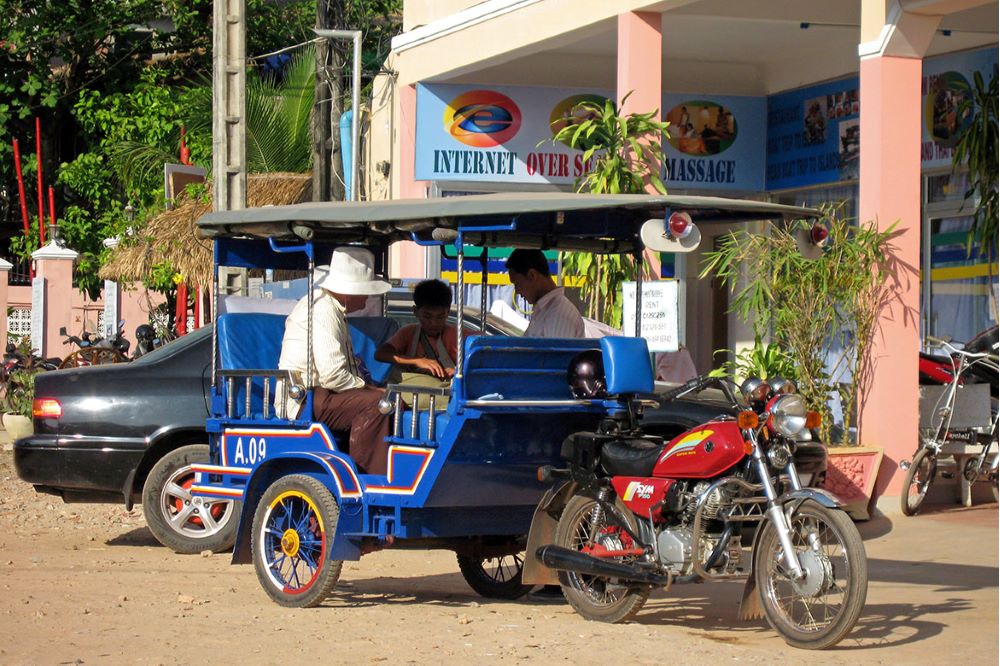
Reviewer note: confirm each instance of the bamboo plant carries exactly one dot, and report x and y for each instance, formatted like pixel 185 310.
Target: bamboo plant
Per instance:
pixel 624 153
pixel 823 312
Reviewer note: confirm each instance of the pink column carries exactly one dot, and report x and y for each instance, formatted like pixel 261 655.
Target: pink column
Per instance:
pixel 5 267
pixel 408 258
pixel 890 191
pixel 640 72
pixel 640 57
pixel 54 264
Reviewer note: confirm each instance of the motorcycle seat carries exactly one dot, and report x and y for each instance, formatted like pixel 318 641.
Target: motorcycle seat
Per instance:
pixel 633 457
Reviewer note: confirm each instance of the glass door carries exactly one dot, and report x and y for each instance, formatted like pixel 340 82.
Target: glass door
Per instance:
pixel 959 286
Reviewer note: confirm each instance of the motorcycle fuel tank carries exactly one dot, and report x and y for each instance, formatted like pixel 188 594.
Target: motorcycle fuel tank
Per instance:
pixel 702 452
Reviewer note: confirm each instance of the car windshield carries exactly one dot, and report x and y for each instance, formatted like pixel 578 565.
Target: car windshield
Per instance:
pixel 175 346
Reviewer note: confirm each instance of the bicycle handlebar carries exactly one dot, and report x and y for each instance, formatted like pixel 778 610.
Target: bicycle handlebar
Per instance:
pixel 946 344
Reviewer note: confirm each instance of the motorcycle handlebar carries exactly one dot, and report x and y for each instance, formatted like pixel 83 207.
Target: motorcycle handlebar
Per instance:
pixel 695 384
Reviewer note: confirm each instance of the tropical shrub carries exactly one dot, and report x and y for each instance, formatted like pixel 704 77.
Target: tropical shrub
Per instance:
pixel 822 311
pixel 624 153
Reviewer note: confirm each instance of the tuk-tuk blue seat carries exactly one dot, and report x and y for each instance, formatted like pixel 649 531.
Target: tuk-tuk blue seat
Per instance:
pixel 520 368
pixel 252 341
pixel 627 368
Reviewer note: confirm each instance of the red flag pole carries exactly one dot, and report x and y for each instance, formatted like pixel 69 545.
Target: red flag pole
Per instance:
pixel 24 203
pixel 41 189
pixel 20 188
pixel 52 212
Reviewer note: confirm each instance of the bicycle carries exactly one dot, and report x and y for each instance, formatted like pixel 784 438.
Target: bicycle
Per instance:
pixel 942 433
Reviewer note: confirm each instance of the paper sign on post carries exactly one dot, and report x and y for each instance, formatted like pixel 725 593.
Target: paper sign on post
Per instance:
pixel 659 313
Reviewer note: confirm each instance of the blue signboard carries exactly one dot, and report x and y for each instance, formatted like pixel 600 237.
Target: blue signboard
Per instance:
pixel 715 142
pixel 505 134
pixel 813 135
pixel 498 134
pixel 947 81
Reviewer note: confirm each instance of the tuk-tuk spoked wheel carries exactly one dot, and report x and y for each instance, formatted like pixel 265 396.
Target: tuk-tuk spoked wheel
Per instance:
pixel 494 577
pixel 293 530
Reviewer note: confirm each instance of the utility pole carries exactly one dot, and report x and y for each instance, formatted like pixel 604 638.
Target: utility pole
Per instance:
pixel 328 176
pixel 229 157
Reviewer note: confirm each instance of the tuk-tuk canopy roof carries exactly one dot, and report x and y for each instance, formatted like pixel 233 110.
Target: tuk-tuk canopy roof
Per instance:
pixel 591 222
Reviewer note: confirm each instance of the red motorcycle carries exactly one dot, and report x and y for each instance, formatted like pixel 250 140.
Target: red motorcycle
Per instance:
pixel 632 512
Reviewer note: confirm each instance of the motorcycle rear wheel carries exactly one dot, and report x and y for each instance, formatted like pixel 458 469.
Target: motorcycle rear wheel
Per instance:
pixel 596 597
pixel 818 611
pixel 918 479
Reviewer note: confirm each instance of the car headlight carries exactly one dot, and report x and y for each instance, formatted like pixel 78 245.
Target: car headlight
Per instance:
pixel 788 415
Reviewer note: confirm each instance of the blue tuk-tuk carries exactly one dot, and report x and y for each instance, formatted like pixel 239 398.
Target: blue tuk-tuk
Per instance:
pixel 464 477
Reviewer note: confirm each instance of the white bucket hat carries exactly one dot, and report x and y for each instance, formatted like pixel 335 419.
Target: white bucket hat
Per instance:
pixel 352 272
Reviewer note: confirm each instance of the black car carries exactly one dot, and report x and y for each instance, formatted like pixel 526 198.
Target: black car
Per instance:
pixel 130 432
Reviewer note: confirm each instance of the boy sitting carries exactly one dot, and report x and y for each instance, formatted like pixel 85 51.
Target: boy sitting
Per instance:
pixel 426 350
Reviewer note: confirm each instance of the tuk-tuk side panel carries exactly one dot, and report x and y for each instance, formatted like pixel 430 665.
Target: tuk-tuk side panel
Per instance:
pixel 453 522
pixel 495 460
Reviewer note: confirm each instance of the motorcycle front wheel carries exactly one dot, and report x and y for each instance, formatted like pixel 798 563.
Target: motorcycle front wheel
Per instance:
pixel 918 479
pixel 818 610
pixel 585 526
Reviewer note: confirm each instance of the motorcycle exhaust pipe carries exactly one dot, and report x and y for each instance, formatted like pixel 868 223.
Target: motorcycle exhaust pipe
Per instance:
pixel 564 559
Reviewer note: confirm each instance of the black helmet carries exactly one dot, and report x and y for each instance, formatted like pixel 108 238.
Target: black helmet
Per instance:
pixel 144 332
pixel 586 375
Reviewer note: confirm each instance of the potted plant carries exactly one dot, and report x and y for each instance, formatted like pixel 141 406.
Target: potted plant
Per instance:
pixel 17 410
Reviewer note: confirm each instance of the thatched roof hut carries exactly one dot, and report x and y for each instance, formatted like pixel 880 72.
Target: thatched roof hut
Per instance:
pixel 170 236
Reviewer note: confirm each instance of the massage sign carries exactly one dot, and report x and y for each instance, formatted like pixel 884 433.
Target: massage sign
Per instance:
pixel 506 135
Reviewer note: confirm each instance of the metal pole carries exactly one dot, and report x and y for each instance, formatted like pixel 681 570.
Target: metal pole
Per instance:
pixel 483 259
pixel 460 305
pixel 355 36
pixel 638 293
pixel 229 163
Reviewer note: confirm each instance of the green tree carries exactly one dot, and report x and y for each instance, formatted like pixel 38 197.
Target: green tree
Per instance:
pixel 823 311
pixel 976 150
pixel 625 153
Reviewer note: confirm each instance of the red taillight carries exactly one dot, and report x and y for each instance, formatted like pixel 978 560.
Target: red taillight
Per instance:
pixel 46 408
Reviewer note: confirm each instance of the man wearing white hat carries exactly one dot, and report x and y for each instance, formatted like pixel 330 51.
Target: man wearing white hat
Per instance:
pixel 340 397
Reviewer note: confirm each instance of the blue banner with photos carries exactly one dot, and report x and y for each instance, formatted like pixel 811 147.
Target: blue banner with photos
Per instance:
pixel 813 135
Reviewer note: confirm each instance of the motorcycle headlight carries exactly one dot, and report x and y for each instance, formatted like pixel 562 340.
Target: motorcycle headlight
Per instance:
pixel 778 455
pixel 788 415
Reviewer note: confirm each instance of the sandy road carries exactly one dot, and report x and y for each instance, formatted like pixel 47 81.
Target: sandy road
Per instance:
pixel 88 584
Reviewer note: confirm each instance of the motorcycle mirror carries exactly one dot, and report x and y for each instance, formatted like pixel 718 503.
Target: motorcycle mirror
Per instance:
pixel 62 330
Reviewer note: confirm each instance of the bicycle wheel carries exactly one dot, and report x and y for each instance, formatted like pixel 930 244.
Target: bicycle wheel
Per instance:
pixel 918 480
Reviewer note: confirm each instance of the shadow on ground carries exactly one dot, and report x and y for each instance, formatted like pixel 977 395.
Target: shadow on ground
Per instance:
pixel 140 536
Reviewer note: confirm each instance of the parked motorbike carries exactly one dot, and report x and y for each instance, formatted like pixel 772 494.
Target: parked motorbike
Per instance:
pixel 146 340
pixel 94 350
pixel 633 512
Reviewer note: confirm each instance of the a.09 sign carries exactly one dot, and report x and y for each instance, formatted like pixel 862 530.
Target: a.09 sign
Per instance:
pixel 253 452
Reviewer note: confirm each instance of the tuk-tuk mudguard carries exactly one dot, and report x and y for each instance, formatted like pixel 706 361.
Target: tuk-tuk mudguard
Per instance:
pixel 750 606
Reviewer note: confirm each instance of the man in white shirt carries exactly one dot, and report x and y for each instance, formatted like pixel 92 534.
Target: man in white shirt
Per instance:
pixel 341 399
pixel 554 316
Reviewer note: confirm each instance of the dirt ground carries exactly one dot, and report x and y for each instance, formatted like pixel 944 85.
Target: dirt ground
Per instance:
pixel 87 584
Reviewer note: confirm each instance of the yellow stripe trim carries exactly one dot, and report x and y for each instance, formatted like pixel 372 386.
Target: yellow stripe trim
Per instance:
pixel 500 279
pixel 963 272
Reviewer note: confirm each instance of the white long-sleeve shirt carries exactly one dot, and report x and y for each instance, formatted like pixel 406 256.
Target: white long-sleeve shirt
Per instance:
pixel 555 316
pixel 334 365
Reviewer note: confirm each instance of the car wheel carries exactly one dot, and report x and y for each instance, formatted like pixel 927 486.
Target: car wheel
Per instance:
pixel 183 523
